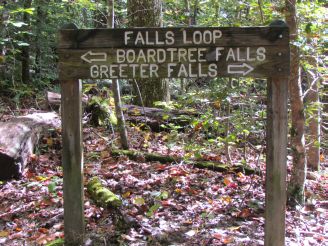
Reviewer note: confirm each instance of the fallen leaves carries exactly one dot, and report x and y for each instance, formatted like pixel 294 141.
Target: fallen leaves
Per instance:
pixel 245 213
pixel 226 200
pixel 139 201
pixel 223 238
pixel 181 203
pixel 228 181
pixel 4 233
pixel 177 171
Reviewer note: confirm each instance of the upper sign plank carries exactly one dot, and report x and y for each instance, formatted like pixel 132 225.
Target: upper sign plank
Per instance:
pixel 174 52
pixel 173 37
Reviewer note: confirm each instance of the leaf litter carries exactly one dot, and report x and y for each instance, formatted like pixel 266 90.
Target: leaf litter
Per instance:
pixel 163 204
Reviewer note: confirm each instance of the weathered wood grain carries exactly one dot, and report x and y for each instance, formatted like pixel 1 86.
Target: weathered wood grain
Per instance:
pixel 276 166
pixel 231 36
pixel 71 66
pixel 72 159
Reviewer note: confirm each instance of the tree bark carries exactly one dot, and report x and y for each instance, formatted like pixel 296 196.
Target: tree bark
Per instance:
pixel 194 17
pixel 18 138
pixel 324 102
pixel 41 15
pixel 25 52
pixel 148 13
pixel 2 47
pixel 312 99
pixel 297 141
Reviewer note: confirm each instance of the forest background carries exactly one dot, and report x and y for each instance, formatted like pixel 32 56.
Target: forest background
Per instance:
pixel 233 112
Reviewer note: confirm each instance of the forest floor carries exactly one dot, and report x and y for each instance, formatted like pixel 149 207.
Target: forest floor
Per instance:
pixel 163 204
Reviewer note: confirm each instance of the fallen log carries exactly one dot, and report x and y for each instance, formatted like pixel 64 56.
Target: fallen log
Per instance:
pixel 202 164
pixel 108 200
pixel 101 195
pixel 53 100
pixel 155 112
pixel 18 138
pixel 156 118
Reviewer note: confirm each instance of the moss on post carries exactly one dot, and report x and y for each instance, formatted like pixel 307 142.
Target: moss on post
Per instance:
pixel 101 195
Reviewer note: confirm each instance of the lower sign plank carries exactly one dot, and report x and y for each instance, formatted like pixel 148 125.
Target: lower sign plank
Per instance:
pixel 173 62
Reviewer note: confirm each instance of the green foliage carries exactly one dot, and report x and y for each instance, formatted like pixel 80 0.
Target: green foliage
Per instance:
pixel 215 99
pixel 153 209
pixel 53 184
pixel 103 114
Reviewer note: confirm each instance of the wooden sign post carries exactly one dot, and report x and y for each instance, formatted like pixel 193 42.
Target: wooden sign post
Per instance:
pixel 175 53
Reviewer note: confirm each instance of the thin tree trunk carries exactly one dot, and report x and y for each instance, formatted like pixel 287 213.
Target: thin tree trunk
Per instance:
pixel 312 98
pixel 116 87
pixel 188 22
pixel 261 10
pixel 324 114
pixel 2 47
pixel 194 17
pixel 297 141
pixel 25 52
pixel 228 111
pixel 40 16
pixel 182 86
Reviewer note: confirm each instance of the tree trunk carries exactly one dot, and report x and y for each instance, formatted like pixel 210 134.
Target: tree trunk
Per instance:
pixel 148 13
pixel 182 86
pixel 2 46
pixel 188 22
pixel 297 142
pixel 41 15
pixel 312 99
pixel 194 17
pixel 116 87
pixel 18 138
pixel 25 52
pixel 324 100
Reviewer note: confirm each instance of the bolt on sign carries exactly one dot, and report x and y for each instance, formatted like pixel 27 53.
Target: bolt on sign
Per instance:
pixel 173 53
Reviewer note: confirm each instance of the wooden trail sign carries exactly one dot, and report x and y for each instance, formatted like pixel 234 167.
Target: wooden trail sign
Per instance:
pixel 175 53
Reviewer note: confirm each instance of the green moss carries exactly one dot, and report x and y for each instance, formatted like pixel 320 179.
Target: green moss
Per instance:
pixel 57 242
pixel 102 196
pixel 210 165
pixel 215 166
pixel 295 195
pixel 162 159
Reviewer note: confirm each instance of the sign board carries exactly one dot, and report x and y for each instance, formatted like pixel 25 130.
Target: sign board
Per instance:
pixel 173 52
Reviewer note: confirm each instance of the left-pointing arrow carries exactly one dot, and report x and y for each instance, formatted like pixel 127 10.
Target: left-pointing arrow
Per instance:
pixel 90 57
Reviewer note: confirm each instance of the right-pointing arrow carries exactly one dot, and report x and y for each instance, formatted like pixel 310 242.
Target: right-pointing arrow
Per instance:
pixel 243 69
